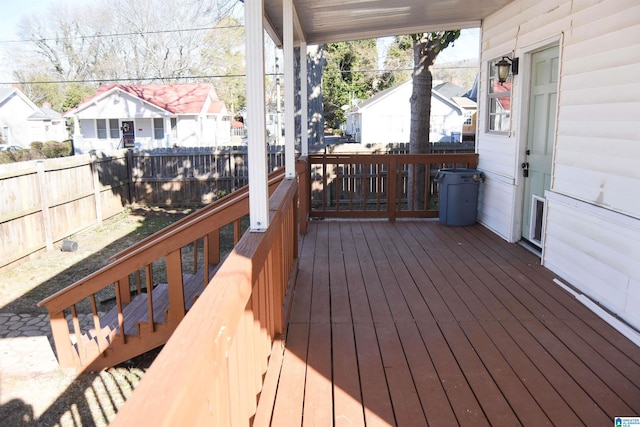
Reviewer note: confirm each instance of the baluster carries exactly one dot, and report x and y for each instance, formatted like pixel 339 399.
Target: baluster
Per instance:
pixel 237 231
pixel 119 302
pixel 100 338
pixel 149 284
pixel 78 333
pixel 138 282
pixel 195 256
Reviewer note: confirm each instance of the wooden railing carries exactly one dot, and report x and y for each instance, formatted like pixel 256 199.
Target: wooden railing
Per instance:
pixel 378 185
pixel 175 263
pixel 211 370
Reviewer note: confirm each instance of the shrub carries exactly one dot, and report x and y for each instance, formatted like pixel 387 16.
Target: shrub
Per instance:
pixel 36 145
pixel 12 156
pixel 53 149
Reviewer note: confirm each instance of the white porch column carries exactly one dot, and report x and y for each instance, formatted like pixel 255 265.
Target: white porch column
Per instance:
pixel 167 132
pixel 256 116
pixel 304 98
pixel 289 91
pixel 76 127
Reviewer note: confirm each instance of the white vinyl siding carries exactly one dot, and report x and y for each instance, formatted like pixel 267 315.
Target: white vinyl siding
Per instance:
pixel 593 215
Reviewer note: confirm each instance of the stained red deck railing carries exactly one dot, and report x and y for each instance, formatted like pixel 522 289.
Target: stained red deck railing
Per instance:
pixel 155 269
pixel 378 185
pixel 211 370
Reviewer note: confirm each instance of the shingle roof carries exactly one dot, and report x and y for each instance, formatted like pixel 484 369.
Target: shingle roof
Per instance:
pixel 174 98
pixel 45 113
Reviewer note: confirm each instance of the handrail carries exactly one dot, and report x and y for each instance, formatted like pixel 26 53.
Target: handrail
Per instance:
pixel 165 245
pixel 148 249
pixel 210 371
pixel 274 180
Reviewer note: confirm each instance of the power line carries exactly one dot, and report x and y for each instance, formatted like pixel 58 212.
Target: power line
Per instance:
pixel 221 76
pixel 215 76
pixel 135 33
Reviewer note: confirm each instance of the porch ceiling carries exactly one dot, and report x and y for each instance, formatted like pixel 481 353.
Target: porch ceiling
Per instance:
pixel 329 21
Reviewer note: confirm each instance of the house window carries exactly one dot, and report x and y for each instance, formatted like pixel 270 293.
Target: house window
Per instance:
pixel 499 94
pixel 4 136
pixel 114 129
pixel 101 127
pixel 468 119
pixel 158 128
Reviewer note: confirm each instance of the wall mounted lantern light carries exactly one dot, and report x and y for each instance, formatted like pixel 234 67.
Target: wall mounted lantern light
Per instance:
pixel 505 65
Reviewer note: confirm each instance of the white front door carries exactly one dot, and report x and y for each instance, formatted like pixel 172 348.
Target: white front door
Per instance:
pixel 540 139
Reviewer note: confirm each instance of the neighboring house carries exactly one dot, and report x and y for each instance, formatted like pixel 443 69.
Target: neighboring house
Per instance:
pixel 469 107
pixel 150 116
pixel 22 122
pixel 48 125
pixel 386 116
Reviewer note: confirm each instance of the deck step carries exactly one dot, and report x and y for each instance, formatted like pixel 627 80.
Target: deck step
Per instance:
pixel 136 312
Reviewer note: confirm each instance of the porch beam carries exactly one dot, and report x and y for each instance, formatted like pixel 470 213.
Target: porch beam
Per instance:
pixel 304 101
pixel 289 89
pixel 256 116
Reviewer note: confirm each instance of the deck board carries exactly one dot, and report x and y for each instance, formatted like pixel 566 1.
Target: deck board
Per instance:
pixel 413 323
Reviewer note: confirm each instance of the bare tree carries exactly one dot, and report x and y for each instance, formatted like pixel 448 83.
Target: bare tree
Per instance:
pixel 132 41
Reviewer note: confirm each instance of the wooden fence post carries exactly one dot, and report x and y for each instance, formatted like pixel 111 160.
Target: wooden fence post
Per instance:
pixel 130 176
pixel 97 196
pixel 44 204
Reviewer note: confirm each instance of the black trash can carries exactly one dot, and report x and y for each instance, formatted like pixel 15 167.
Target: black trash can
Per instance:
pixel 459 195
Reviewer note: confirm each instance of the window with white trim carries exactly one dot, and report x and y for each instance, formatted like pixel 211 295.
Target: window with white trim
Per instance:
pixel 158 128
pixel 499 101
pixel 101 128
pixel 114 129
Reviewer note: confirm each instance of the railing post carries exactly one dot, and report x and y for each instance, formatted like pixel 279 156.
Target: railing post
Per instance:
pixel 392 186
pixel 67 357
pixel 176 288
pixel 96 187
pixel 304 192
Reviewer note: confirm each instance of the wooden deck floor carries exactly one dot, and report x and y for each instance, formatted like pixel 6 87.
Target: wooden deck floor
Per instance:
pixel 414 323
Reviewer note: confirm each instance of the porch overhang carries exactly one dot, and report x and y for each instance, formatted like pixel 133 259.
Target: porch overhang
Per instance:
pixel 342 20
pixel 292 23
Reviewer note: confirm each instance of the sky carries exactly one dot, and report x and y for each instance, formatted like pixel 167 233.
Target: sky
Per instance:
pixel 12 13
pixel 466 47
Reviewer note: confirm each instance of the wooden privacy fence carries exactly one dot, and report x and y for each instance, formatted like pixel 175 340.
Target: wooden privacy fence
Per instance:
pixel 192 176
pixel 44 201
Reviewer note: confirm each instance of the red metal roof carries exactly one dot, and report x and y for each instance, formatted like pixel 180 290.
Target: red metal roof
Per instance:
pixel 175 98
